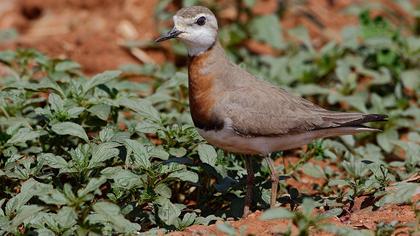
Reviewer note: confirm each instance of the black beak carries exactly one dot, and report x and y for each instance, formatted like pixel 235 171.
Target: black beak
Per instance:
pixel 170 35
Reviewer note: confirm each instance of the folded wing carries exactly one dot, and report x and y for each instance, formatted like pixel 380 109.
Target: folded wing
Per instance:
pixel 265 110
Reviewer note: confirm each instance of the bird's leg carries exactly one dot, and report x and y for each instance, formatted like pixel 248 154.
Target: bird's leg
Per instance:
pixel 249 185
pixel 274 180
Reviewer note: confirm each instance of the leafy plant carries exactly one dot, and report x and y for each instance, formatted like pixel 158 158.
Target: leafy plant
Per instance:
pixel 106 155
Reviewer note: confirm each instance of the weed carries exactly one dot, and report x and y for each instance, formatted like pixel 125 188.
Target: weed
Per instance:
pixel 108 156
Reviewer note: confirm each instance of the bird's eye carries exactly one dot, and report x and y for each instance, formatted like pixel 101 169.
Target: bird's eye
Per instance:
pixel 201 21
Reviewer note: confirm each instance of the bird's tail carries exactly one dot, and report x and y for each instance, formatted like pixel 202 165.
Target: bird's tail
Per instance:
pixel 349 119
pixel 365 119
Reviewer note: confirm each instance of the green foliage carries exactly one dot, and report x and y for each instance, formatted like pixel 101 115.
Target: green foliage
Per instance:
pixel 270 35
pixel 105 155
pixel 65 155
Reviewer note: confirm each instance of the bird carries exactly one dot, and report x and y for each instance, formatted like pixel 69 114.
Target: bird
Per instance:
pixel 240 113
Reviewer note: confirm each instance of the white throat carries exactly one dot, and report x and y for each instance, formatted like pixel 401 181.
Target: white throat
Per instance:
pixel 195 50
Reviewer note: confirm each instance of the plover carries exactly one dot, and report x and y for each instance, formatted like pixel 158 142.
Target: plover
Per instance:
pixel 237 112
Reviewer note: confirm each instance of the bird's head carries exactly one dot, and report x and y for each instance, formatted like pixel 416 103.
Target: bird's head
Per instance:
pixel 195 26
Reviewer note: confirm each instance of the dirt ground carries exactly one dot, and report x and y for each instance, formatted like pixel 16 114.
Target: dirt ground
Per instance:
pixel 360 219
pixel 89 32
pixel 92 32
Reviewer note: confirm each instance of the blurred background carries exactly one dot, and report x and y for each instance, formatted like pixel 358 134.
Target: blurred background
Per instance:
pixel 96 33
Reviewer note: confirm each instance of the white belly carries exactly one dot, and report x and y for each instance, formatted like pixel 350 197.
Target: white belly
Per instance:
pixel 230 141
pixel 227 139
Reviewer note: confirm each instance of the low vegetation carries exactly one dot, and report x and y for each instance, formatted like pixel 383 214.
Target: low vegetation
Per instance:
pixel 107 155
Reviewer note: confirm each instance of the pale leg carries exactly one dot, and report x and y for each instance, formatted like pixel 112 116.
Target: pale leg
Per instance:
pixel 249 185
pixel 274 180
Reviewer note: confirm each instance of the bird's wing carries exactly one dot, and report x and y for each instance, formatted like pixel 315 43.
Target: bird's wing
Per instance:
pixel 261 109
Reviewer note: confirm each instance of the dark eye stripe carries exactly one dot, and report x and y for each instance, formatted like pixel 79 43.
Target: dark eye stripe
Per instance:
pixel 201 21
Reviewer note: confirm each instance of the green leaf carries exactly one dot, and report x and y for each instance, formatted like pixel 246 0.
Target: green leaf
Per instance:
pixel 313 170
pixel 55 101
pixel 167 212
pixel 185 175
pixel 348 140
pixel 29 189
pixel 331 213
pixel 411 79
pixel 54 197
pixel 141 156
pixel 66 217
pixel 268 30
pixel 48 83
pixel 374 28
pixel 103 152
pixel 92 186
pixel 7 56
pixel 66 66
pixel 163 190
pixel 414 137
pixel 1 205
pixel 111 214
pixel 302 34
pixel 232 34
pixel 308 205
pixel 143 107
pixel 53 161
pixel 403 192
pixel 207 154
pixel 178 152
pixel 74 112
pixel 412 151
pixel 102 111
pixel 68 192
pixel 106 134
pixel 70 128
pixel 206 220
pixel 277 213
pixel 23 135
pixel 386 138
pixel 25 213
pixel 159 152
pixel 357 100
pixel 99 79
pixel 147 127
pixel 125 179
pixel 187 220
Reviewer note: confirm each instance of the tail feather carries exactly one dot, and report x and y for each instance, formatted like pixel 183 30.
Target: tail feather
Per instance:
pixel 338 118
pixel 365 118
pixel 350 119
